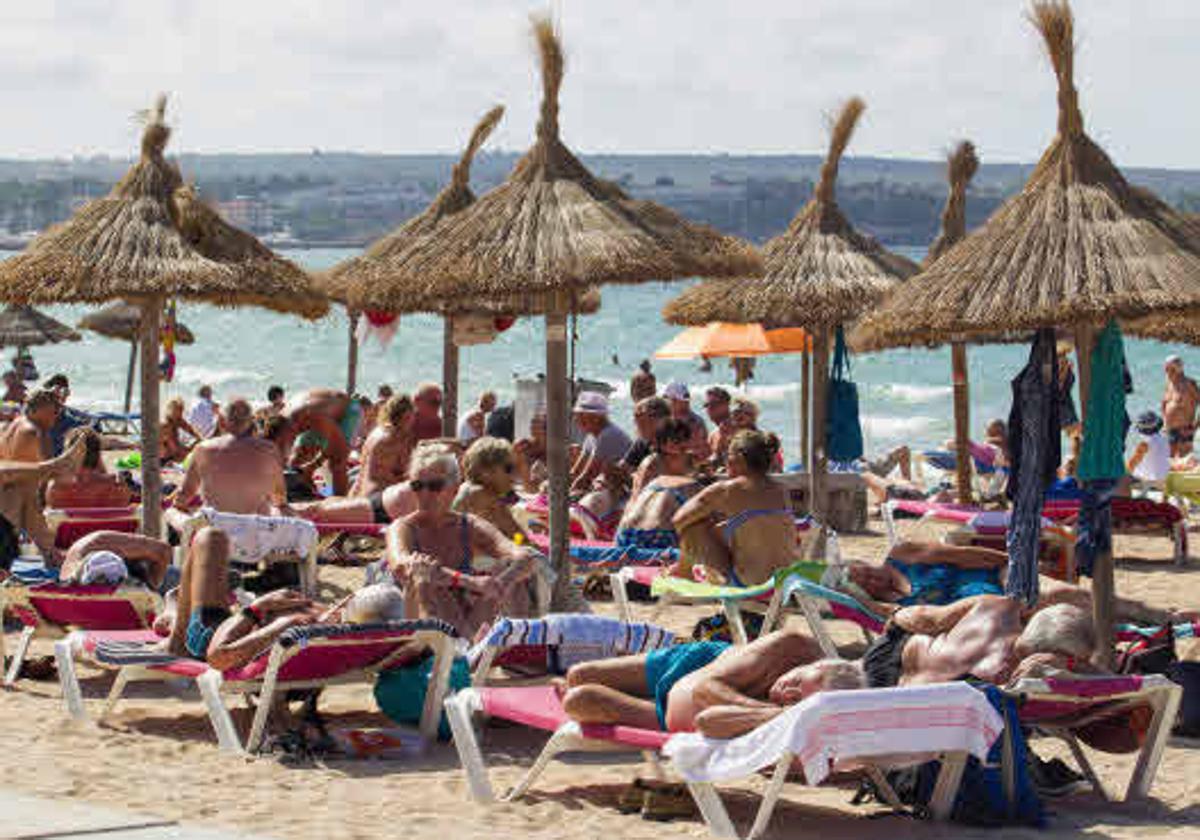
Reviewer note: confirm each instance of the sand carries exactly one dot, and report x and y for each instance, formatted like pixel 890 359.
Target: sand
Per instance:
pixel 159 757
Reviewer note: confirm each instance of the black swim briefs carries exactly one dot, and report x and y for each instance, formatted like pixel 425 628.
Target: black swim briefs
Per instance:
pixel 882 659
pixel 379 513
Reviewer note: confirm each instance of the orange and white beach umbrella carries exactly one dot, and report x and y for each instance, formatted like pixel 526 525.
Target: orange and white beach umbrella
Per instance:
pixel 721 340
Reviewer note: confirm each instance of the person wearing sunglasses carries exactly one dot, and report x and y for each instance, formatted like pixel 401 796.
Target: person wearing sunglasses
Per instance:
pixel 431 552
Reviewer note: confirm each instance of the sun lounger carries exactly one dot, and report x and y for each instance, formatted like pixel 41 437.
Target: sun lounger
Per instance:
pixel 257 541
pixel 303 657
pixel 798 585
pixel 52 610
pixel 871 730
pixel 539 706
pixel 1062 707
pixel 72 524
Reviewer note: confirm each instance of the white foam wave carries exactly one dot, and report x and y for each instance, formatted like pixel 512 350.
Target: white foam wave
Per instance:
pixel 217 377
pixel 918 393
pixel 896 428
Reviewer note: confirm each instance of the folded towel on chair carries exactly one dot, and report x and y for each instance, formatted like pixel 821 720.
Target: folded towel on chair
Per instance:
pixel 253 538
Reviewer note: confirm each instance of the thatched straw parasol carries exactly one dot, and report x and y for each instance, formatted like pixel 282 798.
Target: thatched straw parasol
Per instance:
pixel 379 278
pixel 149 239
pixel 24 326
pixel 123 321
pixel 551 230
pixel 820 273
pixel 1076 247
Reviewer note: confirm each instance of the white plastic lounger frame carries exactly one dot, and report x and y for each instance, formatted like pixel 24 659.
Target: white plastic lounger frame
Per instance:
pixel 461 711
pixel 212 684
pixel 144 602
pixel 1161 694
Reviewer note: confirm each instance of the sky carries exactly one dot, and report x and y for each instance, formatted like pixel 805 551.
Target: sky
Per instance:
pixel 735 76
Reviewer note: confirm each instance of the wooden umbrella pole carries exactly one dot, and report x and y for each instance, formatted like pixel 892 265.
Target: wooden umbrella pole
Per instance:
pixel 1103 585
pixel 449 379
pixel 805 388
pixel 151 474
pixel 352 354
pixel 962 421
pixel 133 354
pixel 820 379
pixel 556 443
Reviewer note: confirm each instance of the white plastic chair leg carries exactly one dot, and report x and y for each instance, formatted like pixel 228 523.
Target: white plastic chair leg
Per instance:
pixel 737 627
pixel 114 694
pixel 616 582
pixel 64 661
pixel 945 789
pixel 1166 707
pixel 770 796
pixel 713 810
pixel 1085 766
pixel 18 658
pixel 459 710
pixel 812 614
pixel 266 700
pixel 209 684
pixel 559 741
pixel 439 685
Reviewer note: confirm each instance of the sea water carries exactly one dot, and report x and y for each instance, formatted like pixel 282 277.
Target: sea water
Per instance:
pixel 905 396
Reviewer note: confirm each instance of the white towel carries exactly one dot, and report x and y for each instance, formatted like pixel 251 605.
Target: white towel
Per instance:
pixel 579 636
pixel 253 538
pixel 833 729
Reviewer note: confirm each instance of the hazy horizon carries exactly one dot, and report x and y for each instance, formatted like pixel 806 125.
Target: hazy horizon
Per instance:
pixel 674 76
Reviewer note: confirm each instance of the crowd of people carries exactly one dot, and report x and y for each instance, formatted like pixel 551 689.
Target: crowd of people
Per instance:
pixel 458 518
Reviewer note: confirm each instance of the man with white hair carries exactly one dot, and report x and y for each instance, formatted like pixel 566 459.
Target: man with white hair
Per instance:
pixel 604 444
pixel 1179 404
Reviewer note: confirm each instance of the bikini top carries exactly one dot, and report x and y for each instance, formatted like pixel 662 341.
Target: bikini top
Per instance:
pixel 677 493
pixel 464 536
pixel 730 526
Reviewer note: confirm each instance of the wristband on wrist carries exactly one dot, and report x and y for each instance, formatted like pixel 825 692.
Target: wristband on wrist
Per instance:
pixel 254 614
pixel 456 579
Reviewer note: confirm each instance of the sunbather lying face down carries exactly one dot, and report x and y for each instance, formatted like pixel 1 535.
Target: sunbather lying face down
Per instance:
pixel 712 687
pixel 981 637
pixel 146 558
pixel 430 552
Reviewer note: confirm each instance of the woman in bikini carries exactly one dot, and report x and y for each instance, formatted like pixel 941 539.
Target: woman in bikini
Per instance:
pixel 171 446
pixel 430 552
pixel 741 529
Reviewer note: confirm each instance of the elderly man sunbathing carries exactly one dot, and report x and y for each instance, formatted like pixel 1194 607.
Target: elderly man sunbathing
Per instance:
pixel 724 691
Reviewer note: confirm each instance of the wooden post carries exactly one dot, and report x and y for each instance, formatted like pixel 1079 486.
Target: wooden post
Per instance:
pixel 556 443
pixel 449 380
pixel 820 381
pixel 352 353
pixel 805 393
pixel 962 421
pixel 151 475
pixel 1103 586
pixel 133 354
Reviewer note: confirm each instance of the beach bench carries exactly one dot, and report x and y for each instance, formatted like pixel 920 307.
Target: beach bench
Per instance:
pixel 1064 708
pixel 538 706
pixel 52 610
pixel 69 525
pixel 868 730
pixel 315 656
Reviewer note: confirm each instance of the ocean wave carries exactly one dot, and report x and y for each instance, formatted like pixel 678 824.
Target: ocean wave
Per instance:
pixel 217 377
pixel 896 428
pixel 917 393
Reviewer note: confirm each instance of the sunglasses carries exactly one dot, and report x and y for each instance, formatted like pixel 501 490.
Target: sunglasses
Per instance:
pixel 433 485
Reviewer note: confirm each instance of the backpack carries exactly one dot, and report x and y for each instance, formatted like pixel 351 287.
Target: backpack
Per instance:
pixel 985 796
pixel 843 432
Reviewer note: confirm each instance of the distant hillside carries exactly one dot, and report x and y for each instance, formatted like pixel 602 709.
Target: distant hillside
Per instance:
pixel 352 198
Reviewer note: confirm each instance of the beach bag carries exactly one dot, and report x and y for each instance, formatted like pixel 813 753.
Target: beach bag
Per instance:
pixel 1154 654
pixel 400 692
pixel 985 796
pixel 843 433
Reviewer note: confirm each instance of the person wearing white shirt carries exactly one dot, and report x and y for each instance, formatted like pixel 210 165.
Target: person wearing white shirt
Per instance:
pixel 205 413
pixel 472 424
pixel 1151 458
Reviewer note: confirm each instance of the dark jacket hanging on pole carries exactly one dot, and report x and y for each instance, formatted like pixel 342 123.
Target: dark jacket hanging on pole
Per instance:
pixel 1036 447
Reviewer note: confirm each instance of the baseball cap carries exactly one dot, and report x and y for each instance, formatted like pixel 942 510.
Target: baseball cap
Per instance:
pixel 591 402
pixel 1173 359
pixel 676 391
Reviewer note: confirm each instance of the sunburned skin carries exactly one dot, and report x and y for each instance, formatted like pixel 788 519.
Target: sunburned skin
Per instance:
pixel 982 642
pixel 321 410
pixel 385 456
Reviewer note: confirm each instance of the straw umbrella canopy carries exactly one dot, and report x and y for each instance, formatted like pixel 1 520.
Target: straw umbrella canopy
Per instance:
pixel 1076 247
pixel 820 273
pixel 149 239
pixel 376 280
pixel 553 229
pixel 24 326
pixel 123 321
